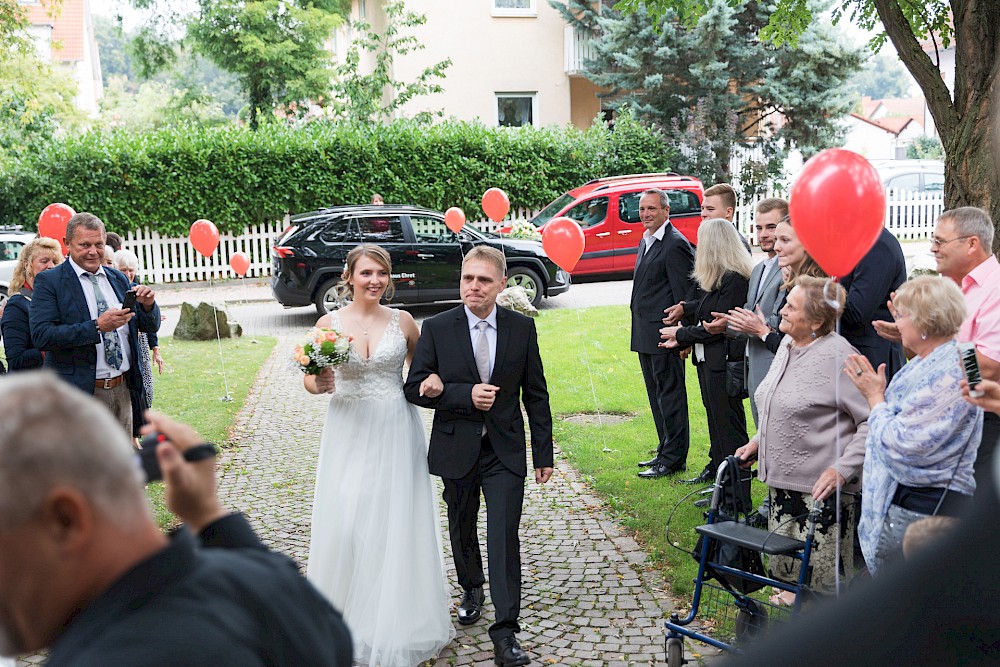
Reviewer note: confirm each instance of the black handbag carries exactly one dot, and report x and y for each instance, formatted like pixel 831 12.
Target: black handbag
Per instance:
pixel 736 377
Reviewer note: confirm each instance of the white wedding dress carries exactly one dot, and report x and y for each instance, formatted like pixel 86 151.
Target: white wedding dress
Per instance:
pixel 375 550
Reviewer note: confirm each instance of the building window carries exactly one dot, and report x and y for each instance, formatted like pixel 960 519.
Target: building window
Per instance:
pixel 362 10
pixel 516 109
pixel 514 8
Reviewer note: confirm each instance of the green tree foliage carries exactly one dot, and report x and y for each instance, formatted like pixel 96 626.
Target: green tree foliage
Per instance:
pixel 925 148
pixel 710 84
pixel 275 48
pixel 166 179
pixel 369 97
pixel 963 115
pixel 36 101
pixel 882 76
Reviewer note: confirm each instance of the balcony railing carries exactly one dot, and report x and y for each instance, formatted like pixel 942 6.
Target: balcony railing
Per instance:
pixel 578 46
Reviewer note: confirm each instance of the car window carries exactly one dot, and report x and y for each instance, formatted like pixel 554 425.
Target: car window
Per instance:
pixel 683 202
pixel 432 230
pixel 381 229
pixel 337 231
pixel 590 212
pixel 904 182
pixel 550 211
pixel 10 250
pixel 628 206
pixel 933 182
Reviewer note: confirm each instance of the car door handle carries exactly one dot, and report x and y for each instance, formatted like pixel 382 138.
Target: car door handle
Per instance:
pixel 421 255
pixel 623 232
pixel 602 235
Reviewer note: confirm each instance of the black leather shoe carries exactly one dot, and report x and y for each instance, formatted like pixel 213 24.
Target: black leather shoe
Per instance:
pixel 648 464
pixel 471 607
pixel 508 653
pixel 660 470
pixel 704 477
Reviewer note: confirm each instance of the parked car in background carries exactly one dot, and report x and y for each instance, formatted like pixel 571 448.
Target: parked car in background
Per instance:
pixel 308 258
pixel 12 241
pixel 608 211
pixel 911 175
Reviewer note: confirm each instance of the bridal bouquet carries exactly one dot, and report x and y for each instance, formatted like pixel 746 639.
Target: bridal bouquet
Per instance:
pixel 321 348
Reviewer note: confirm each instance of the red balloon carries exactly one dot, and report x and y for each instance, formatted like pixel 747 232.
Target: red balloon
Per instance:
pixel 52 222
pixel 837 207
pixel 454 217
pixel 562 240
pixel 496 204
pixel 240 263
pixel 204 236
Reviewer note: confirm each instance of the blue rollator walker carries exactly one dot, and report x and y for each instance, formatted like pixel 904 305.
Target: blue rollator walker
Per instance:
pixel 727 541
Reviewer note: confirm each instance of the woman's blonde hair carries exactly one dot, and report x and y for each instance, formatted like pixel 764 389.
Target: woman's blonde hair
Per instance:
pixel 822 301
pixel 934 304
pixel 22 270
pixel 720 251
pixel 372 251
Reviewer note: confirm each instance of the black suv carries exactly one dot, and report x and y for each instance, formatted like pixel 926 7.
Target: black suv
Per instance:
pixel 309 256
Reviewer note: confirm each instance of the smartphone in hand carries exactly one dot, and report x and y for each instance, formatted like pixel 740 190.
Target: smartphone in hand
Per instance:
pixel 967 353
pixel 129 303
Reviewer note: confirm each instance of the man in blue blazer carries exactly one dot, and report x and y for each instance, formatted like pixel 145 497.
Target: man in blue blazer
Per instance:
pixel 78 321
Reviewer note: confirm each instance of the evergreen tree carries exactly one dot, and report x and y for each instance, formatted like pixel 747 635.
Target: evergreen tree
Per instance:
pixel 710 84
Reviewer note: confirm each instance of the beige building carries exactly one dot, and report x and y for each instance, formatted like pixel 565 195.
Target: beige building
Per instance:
pixel 514 62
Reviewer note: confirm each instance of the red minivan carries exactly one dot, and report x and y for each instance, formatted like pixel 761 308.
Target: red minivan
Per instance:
pixel 608 211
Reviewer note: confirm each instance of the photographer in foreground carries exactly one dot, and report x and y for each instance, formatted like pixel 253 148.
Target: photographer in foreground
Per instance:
pixel 86 572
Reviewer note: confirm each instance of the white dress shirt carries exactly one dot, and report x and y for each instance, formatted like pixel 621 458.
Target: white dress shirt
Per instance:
pixel 104 370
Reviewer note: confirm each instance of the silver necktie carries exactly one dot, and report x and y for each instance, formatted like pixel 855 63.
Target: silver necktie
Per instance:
pixel 483 352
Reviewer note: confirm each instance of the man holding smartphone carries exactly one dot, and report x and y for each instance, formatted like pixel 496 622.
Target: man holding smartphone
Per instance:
pixel 87 321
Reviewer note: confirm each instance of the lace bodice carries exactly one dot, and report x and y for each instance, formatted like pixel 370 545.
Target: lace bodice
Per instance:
pixel 379 376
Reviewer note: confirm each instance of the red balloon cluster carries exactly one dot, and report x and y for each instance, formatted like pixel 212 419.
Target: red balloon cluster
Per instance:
pixel 562 240
pixel 204 237
pixel 837 207
pixel 52 222
pixel 496 204
pixel 240 263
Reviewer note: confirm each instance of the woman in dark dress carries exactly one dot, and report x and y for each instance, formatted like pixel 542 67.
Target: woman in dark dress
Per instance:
pixel 39 255
pixel 722 269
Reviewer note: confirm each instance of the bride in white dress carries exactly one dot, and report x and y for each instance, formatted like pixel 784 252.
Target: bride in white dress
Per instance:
pixel 375 548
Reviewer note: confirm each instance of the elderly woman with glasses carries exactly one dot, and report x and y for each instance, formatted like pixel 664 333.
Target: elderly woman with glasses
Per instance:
pixel 922 437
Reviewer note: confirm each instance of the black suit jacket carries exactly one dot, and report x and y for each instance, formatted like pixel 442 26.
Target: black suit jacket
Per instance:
pixel 868 286
pixel 21 352
pixel 730 293
pixel 662 279
pixel 62 326
pixel 445 348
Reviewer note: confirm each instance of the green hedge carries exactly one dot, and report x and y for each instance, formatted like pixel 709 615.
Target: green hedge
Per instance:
pixel 166 179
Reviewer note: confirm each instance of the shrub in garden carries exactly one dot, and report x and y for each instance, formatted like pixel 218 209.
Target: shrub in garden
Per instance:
pixel 166 179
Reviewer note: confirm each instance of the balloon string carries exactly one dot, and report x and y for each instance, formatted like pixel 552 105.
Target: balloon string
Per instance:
pixel 835 304
pixel 218 337
pixel 593 390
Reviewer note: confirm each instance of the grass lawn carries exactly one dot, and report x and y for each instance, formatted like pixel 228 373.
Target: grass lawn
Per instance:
pixel 586 355
pixel 192 385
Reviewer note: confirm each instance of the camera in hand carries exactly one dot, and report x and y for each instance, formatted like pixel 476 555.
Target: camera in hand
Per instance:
pixel 150 464
pixel 129 302
pixel 967 353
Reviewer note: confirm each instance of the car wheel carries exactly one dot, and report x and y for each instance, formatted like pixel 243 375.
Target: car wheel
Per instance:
pixel 3 296
pixel 529 280
pixel 328 298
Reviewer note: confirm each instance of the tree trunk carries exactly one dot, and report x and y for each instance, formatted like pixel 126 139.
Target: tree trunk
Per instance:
pixel 965 121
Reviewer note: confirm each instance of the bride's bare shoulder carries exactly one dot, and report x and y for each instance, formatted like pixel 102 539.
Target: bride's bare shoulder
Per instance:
pixel 324 322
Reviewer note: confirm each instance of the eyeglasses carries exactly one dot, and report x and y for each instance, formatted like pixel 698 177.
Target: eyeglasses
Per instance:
pixel 939 243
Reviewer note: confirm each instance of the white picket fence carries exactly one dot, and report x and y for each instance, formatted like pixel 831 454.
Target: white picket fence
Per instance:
pixel 909 215
pixel 173 259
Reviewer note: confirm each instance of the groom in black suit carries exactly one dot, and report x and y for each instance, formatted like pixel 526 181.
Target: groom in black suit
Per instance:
pixel 474 365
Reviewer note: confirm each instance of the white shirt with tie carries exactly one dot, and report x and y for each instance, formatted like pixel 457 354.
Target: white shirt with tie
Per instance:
pixel 104 370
